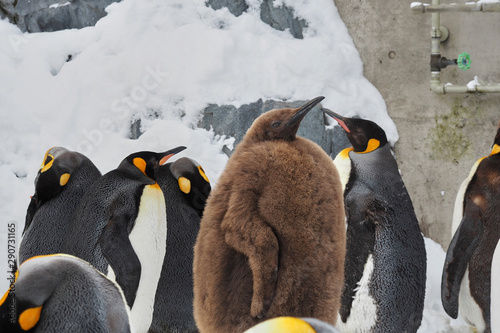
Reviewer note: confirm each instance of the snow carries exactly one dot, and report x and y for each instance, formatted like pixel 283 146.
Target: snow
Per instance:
pixel 162 62
pixel 472 84
pixel 57 5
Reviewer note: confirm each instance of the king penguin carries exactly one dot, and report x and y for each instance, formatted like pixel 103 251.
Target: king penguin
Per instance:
pixel 272 236
pixel 293 325
pixel 185 187
pixel 385 267
pixel 121 222
pixel 61 181
pixel 466 281
pixel 62 293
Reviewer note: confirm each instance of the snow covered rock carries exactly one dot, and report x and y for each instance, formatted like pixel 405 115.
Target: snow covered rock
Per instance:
pixel 53 15
pixel 236 7
pixel 280 17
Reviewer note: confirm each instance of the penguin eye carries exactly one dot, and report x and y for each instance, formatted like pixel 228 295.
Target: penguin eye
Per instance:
pixel 276 124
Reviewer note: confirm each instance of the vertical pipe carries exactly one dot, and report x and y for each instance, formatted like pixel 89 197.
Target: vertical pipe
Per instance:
pixel 435 31
pixel 436 85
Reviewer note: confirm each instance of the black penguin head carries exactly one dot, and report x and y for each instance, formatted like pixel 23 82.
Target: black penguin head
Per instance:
pixel 53 176
pixel 55 172
pixel 147 162
pixel 496 143
pixel 280 124
pixel 193 182
pixel 364 135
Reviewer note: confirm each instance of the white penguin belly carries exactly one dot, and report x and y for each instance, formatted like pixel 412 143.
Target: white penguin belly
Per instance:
pixel 148 238
pixel 495 291
pixel 468 308
pixel 363 310
pixel 343 164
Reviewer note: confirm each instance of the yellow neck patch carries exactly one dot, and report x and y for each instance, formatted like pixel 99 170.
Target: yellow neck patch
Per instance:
pixel 29 318
pixel 495 150
pixel 282 324
pixel 345 153
pixel 184 185
pixel 4 297
pixel 140 164
pixel 202 173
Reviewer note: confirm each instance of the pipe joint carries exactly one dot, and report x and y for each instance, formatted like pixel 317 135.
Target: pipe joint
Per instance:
pixel 438 62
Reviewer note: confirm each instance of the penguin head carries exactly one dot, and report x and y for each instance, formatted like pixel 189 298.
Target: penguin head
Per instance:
pixel 292 325
pixel 58 165
pixel 54 173
pixel 147 163
pixel 496 143
pixel 193 182
pixel 63 284
pixel 279 124
pixel 364 135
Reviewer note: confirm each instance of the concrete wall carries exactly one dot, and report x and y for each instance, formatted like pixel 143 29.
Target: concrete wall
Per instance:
pixel 441 137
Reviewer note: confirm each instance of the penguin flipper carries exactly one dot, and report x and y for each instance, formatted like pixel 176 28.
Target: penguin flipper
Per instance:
pixel 30 213
pixel 115 245
pixel 459 252
pixel 363 213
pixel 246 232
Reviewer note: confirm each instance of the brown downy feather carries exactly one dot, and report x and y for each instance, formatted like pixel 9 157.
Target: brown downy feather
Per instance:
pixel 272 238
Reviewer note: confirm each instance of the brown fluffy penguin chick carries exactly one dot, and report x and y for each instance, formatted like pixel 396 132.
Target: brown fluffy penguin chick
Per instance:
pixel 272 237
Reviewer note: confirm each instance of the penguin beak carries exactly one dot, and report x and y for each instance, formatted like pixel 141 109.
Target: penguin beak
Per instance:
pixel 169 153
pixel 338 118
pixel 301 113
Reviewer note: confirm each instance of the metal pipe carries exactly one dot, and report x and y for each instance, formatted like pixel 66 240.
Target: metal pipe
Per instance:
pixel 470 7
pixel 435 31
pixel 435 8
pixel 439 88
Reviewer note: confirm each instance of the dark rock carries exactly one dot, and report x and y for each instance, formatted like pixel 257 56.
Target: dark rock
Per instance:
pixel 231 121
pixel 135 129
pixel 236 7
pixel 282 18
pixel 53 15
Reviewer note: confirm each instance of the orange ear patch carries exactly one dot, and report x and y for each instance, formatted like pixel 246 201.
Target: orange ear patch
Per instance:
pixel 140 164
pixel 184 185
pixel 64 179
pixel 29 318
pixel 371 146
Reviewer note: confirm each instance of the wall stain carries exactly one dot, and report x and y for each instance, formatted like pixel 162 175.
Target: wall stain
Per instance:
pixel 448 139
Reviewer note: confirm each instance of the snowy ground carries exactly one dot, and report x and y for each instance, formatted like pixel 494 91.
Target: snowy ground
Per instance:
pixel 169 58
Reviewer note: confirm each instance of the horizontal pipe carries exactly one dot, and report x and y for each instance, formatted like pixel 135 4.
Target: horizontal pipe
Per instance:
pixel 439 88
pixel 471 7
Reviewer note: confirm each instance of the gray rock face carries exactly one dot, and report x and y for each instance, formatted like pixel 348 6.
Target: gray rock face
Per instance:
pixel 53 15
pixel 231 121
pixel 236 7
pixel 280 18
